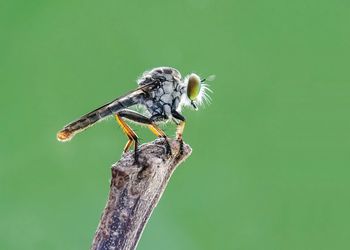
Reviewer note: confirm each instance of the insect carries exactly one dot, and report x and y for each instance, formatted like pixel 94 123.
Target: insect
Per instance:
pixel 162 92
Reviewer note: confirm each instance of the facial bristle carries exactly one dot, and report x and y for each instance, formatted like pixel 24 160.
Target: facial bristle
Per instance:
pixel 204 96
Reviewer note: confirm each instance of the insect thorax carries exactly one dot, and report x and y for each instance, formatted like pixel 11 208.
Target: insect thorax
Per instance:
pixel 166 96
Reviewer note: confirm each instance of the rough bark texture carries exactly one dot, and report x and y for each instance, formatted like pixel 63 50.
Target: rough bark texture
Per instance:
pixel 134 192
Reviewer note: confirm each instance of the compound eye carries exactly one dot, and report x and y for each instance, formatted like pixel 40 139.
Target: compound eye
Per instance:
pixel 193 87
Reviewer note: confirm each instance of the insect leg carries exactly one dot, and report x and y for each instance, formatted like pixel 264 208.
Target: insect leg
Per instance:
pixel 180 128
pixel 160 133
pixel 129 133
pixel 141 119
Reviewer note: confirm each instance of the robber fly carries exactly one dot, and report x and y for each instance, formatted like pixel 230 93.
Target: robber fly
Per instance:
pixel 162 92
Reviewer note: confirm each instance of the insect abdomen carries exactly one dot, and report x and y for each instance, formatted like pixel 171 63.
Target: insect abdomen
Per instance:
pixel 91 118
pixel 79 125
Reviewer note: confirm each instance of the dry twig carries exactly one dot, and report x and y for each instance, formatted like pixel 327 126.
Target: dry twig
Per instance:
pixel 134 192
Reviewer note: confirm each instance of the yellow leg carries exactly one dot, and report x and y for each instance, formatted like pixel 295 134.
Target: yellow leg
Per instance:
pixel 179 130
pixel 156 130
pixel 128 131
pixel 127 145
pixel 160 133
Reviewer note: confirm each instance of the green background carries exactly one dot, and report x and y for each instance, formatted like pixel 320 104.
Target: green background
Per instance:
pixel 270 165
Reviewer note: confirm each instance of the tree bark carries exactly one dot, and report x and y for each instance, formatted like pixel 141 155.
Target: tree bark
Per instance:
pixel 135 190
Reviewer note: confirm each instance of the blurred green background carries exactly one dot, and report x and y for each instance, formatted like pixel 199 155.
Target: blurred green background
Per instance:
pixel 270 164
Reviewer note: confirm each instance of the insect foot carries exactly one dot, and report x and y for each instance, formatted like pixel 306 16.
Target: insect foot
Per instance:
pixel 167 147
pixel 136 158
pixel 181 142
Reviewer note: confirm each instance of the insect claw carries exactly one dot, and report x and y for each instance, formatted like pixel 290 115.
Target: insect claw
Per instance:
pixel 167 146
pixel 168 151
